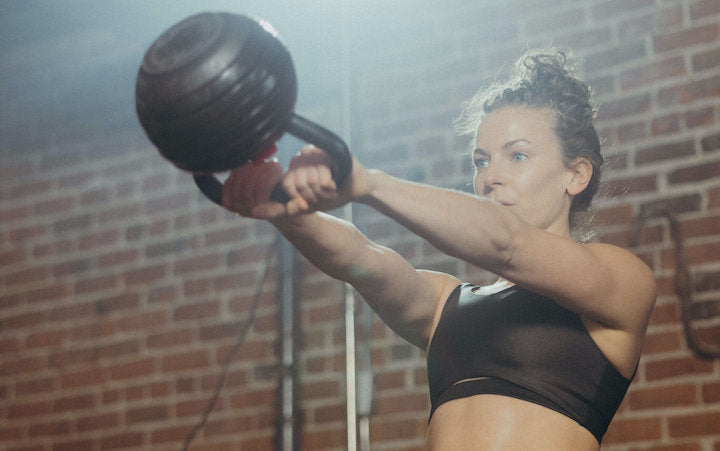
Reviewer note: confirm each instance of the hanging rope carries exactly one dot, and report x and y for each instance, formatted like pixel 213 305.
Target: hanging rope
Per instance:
pixel 683 279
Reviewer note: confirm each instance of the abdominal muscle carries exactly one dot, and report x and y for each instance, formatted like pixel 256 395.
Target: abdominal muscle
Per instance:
pixel 494 422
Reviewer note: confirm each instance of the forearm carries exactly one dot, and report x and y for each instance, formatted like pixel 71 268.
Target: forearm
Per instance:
pixel 331 244
pixel 462 225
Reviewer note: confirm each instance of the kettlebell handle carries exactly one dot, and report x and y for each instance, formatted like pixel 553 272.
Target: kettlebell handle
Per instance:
pixel 307 131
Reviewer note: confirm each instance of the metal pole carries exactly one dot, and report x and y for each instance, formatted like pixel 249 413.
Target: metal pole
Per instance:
pixel 349 298
pixel 286 294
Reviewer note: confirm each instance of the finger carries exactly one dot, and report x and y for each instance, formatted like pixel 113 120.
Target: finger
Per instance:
pixel 233 189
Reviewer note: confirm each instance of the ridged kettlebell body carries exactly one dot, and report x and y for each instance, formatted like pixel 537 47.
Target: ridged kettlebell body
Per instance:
pixel 214 91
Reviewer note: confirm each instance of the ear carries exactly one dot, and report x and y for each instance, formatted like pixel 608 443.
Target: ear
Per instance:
pixel 581 170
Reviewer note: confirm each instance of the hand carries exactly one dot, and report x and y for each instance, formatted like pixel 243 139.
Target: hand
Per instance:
pixel 308 183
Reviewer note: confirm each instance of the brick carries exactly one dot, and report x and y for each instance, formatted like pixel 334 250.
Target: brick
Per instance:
pixel 170 434
pixel 34 386
pixel 24 365
pixel 634 131
pixel 99 283
pixel 676 367
pixel 23 234
pixel 711 392
pixel 50 428
pixel 73 267
pixel 703 8
pixel 665 125
pixel 184 361
pixel 632 430
pixel 710 143
pixel 83 378
pixel 120 349
pixel 21 213
pixel 155 182
pixel 627 106
pixel 680 204
pixel 629 50
pixel 97 422
pixel 686 38
pixel 674 447
pixel 695 90
pixel 656 343
pixel 95 197
pixel 73 403
pixel 197 263
pixel 120 213
pixel 631 185
pixel 402 403
pixel 72 224
pixel 175 201
pixel 132 370
pixel 703 117
pixel 124 440
pixel 324 439
pixel 117 258
pixel 54 206
pixel 199 310
pixel 617 8
pixel 662 397
pixel 65 358
pixel 29 409
pixel 652 72
pixel 28 276
pixel 253 397
pixel 117 303
pixel 146 414
pixel 168 248
pixel 699 424
pixel 46 339
pixel 47 293
pixel 177 337
pixel 695 174
pixel 144 275
pixel 664 152
pixel 706 281
pixel 73 445
pixel 233 234
pixel 706 60
pixel 399 429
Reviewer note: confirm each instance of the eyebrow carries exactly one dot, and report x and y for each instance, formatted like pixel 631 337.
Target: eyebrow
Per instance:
pixel 507 145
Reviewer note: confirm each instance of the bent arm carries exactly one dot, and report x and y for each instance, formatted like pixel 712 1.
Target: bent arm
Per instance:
pixel 604 283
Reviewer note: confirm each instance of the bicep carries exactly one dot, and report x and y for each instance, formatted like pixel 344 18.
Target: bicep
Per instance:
pixel 406 299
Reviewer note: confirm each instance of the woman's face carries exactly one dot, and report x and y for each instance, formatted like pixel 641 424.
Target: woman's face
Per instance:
pixel 518 164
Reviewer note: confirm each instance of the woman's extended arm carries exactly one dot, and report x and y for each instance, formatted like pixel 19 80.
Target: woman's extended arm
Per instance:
pixel 405 298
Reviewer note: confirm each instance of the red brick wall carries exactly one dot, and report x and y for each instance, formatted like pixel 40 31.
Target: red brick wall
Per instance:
pixel 122 290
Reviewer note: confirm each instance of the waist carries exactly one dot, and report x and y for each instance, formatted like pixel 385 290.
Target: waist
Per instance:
pixel 509 390
pixel 495 421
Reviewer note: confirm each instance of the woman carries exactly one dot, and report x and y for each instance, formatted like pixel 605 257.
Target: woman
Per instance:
pixel 542 358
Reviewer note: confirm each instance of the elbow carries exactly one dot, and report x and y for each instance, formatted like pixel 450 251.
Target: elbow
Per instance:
pixel 504 244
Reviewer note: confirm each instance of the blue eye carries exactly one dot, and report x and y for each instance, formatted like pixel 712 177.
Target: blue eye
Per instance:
pixel 481 163
pixel 519 156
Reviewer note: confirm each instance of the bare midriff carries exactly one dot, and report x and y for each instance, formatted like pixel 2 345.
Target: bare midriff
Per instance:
pixel 499 423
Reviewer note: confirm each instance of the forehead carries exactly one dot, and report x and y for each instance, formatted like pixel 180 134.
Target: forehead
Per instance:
pixel 517 123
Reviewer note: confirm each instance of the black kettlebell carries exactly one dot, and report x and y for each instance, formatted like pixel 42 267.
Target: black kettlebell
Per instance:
pixel 217 90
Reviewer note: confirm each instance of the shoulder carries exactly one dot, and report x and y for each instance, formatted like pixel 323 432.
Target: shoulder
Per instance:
pixel 632 281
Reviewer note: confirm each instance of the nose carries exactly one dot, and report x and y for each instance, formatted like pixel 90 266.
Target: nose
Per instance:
pixel 490 177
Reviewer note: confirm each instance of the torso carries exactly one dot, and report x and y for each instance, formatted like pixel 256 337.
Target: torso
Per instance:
pixel 493 422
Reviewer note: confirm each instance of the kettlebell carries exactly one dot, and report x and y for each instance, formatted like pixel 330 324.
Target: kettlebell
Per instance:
pixel 217 90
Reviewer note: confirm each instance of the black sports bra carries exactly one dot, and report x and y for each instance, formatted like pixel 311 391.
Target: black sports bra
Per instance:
pixel 526 346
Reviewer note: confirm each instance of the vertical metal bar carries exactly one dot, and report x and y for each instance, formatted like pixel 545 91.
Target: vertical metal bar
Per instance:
pixel 350 372
pixel 286 294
